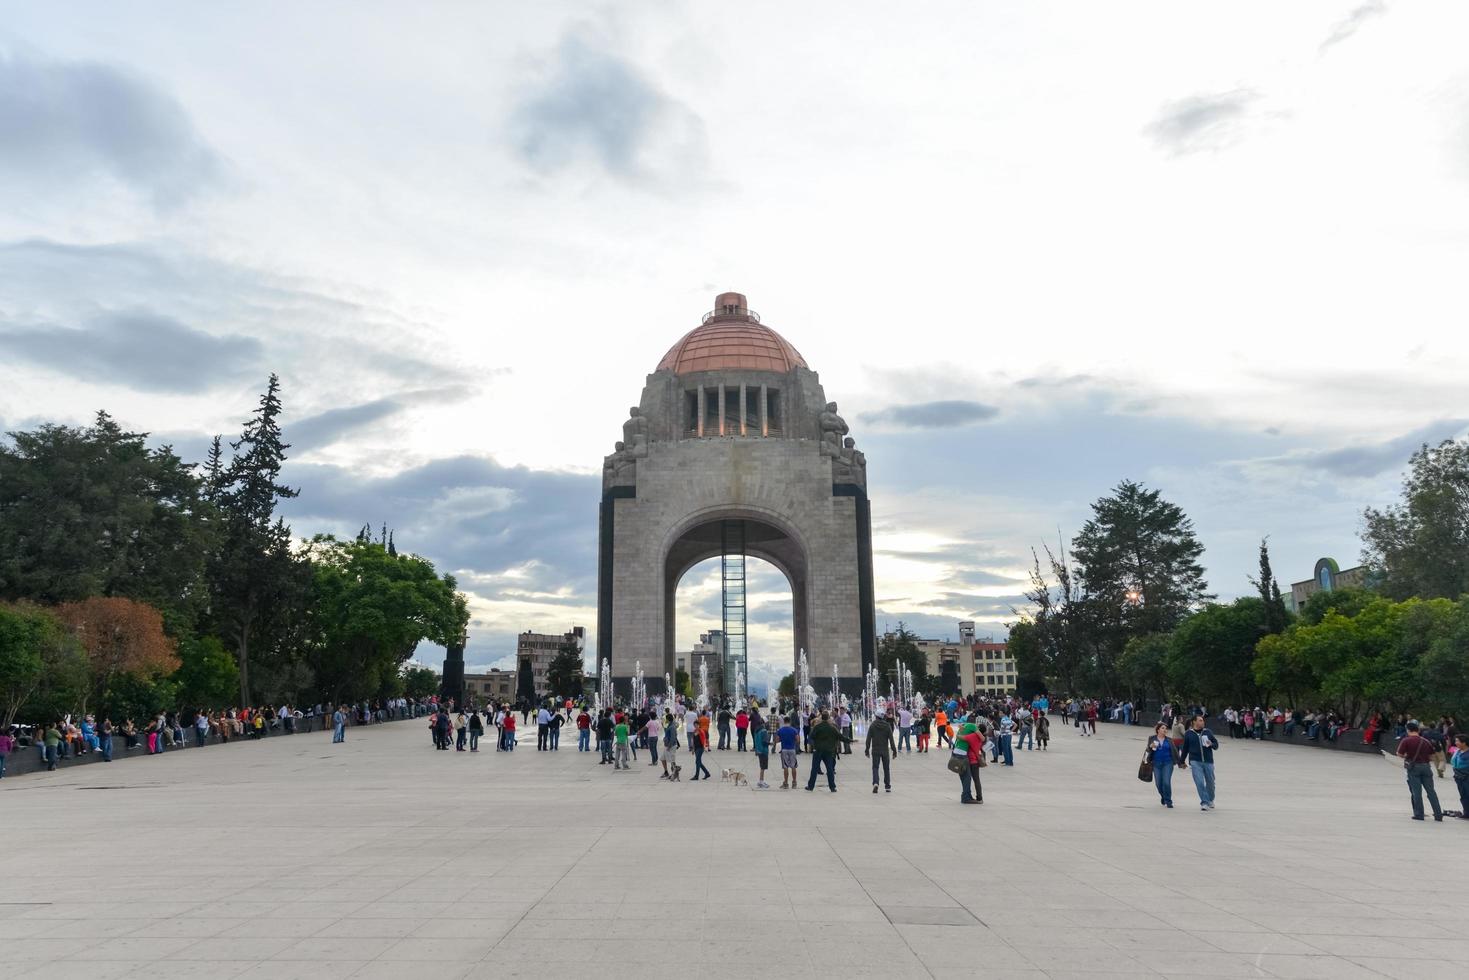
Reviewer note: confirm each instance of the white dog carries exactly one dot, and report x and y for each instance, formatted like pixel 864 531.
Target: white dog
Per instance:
pixel 733 776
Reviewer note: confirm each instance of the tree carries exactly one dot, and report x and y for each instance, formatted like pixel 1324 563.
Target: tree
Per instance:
pixel 419 682
pixel 684 684
pixel 95 512
pixel 1023 644
pixel 122 639
pixel 38 657
pixel 1277 617
pixel 565 674
pixel 787 686
pixel 1142 666
pixel 1138 564
pixel 1443 671
pixel 369 610
pixel 207 677
pixel 896 650
pixel 1420 545
pixel 1064 647
pixel 259 584
pixel 1211 654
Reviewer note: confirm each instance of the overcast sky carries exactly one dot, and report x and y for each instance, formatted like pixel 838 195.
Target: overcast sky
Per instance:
pixel 1032 249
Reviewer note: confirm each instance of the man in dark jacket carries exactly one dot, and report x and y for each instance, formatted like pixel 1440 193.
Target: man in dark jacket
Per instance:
pixel 825 739
pixel 1199 744
pixel 879 742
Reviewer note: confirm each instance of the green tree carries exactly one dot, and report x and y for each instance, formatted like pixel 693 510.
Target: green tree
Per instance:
pixel 42 666
pixel 684 684
pixel 1420 545
pixel 259 584
pixel 1024 645
pixel 1277 617
pixel 1137 560
pixel 1443 671
pixel 419 682
pixel 1345 602
pixel 1211 654
pixel 95 512
pixel 566 673
pixel 208 677
pixel 369 611
pixel 787 686
pixel 1142 668
pixel 1064 648
pixel 897 649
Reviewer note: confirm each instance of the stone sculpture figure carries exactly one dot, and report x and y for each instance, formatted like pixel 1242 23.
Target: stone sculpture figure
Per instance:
pixel 833 428
pixel 620 467
pixel 851 465
pixel 635 432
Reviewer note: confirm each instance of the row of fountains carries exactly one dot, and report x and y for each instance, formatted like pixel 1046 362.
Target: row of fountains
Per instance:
pixel 874 701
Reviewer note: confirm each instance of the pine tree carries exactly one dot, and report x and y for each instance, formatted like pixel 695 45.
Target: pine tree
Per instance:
pixel 258 579
pixel 1276 617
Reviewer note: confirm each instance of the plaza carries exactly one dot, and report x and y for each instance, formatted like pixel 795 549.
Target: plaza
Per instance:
pixel 383 858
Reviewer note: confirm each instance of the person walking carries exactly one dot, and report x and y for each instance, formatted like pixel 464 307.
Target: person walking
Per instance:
pixel 1176 734
pixel 924 724
pixel 507 730
pixel 1417 755
pixel 724 719
pixel 1042 730
pixel 605 730
pixel 1160 752
pixel 905 729
pixel 670 752
pixel 1007 735
pixel 583 731
pixel 51 739
pixel 543 729
pixel 762 754
pixel 106 730
pixel 1198 745
pixel 554 728
pixel 339 724
pixel 844 723
pixel 699 742
pixel 880 738
pixel 7 746
pixel 619 736
pixel 652 730
pixel 476 729
pixel 969 749
pixel 826 740
pixel 1460 764
pixel 787 735
pixel 461 731
pixel 941 728
pixel 742 729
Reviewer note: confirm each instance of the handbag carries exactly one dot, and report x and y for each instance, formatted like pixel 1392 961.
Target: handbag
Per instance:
pixel 959 763
pixel 1145 770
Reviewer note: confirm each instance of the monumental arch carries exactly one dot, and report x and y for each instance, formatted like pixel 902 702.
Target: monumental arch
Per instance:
pixel 733 450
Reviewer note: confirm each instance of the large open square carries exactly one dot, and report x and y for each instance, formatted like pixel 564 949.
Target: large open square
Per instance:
pixel 381 857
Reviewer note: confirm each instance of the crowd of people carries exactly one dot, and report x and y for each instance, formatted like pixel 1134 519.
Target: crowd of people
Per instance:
pixel 982 730
pixel 72 737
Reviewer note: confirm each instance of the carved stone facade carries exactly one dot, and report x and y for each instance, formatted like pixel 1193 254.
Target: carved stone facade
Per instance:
pixel 733 426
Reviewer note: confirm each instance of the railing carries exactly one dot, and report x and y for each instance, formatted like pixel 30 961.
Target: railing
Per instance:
pixel 744 314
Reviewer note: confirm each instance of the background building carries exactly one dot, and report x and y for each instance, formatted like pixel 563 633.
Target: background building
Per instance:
pixel 1326 577
pixel 493 686
pixel 969 665
pixel 539 649
pixel 709 650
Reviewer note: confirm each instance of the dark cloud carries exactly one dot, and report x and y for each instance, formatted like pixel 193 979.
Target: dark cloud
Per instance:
pixel 593 106
pixel 299 325
pixel 1370 459
pixel 1208 121
pixel 140 350
pixel 325 428
pixel 65 121
pixel 931 415
pixel 1353 22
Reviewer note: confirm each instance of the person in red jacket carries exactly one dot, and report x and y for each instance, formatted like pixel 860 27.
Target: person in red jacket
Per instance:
pixel 1417 755
pixel 584 731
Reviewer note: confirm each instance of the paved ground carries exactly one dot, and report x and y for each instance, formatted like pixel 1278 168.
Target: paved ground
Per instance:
pixel 382 858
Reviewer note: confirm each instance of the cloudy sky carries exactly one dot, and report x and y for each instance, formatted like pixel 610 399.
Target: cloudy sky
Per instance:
pixel 1032 248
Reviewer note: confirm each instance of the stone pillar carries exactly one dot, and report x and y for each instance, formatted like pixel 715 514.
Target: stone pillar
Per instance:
pixel 699 402
pixel 764 419
pixel 743 389
pixel 721 408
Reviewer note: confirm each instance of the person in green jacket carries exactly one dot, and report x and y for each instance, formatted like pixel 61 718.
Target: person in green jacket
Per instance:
pixel 826 739
pixel 52 738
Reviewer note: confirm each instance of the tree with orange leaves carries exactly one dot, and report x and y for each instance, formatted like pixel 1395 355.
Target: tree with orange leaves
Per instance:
pixel 121 637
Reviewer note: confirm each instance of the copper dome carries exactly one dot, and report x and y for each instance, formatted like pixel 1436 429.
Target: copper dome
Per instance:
pixel 731 338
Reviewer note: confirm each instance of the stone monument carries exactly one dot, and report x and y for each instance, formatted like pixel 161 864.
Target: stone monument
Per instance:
pixel 734 447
